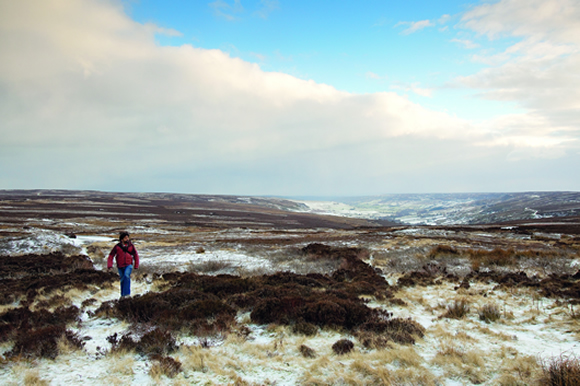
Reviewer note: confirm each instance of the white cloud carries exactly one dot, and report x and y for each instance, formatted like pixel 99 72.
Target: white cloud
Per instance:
pixel 87 97
pixel 226 10
pixel 372 75
pixel 466 43
pixel 539 72
pixel 414 26
pixel 555 20
pixel 267 7
pixel 414 88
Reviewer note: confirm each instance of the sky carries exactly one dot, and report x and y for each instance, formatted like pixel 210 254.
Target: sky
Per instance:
pixel 290 98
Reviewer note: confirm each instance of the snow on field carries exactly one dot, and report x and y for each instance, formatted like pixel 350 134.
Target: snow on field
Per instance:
pixel 180 260
pixel 529 327
pixel 40 242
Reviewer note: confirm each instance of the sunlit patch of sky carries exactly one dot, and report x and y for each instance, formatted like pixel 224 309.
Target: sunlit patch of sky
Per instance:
pixel 359 47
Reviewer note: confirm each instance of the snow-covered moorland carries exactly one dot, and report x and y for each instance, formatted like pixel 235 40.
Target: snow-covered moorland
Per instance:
pixel 210 306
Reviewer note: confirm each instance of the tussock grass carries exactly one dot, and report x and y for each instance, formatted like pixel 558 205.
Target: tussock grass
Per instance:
pixel 499 335
pixel 522 370
pixel 209 266
pixel 399 260
pixel 68 345
pixel 457 310
pixel 561 371
pixel 32 378
pixel 195 358
pixel 442 251
pixel 374 375
pixel 489 313
pixel 306 351
pixel 415 376
pixel 305 328
pixel 164 366
pixel 456 362
pixel 123 365
pixel 399 355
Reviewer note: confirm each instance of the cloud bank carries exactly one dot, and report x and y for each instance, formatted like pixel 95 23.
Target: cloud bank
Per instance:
pixel 89 100
pixel 539 72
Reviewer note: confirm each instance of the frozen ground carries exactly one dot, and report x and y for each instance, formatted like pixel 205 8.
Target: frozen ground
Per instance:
pixel 453 351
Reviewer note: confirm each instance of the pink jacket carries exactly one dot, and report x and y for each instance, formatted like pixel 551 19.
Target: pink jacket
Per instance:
pixel 124 256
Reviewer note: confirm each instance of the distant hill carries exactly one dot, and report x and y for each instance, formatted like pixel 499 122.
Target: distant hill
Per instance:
pixel 240 211
pixel 20 207
pixel 447 209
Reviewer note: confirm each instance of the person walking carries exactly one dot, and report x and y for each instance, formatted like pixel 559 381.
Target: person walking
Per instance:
pixel 125 254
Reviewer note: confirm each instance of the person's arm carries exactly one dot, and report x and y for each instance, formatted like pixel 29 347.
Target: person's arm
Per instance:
pixel 136 257
pixel 111 256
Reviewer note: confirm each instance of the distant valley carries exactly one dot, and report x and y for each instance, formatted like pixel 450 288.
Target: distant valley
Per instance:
pixel 452 208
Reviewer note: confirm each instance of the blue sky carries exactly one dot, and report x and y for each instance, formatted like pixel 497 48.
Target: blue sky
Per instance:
pixel 359 47
pixel 275 97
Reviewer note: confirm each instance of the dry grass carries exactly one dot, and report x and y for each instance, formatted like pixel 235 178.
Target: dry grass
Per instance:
pixel 561 371
pixel 397 355
pixel 64 346
pixel 55 299
pixel 209 266
pixel 374 375
pixel 457 310
pixel 195 358
pixel 288 351
pixel 519 371
pixel 164 366
pixel 415 376
pixel 489 313
pixel 32 378
pixel 456 362
pixel 306 351
pixel 123 364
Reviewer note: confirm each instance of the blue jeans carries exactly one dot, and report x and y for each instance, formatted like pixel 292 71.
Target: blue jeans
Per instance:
pixel 125 277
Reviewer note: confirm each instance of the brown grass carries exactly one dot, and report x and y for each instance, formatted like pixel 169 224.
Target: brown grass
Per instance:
pixel 489 313
pixel 442 251
pixel 164 366
pixel 457 310
pixel 306 351
pixel 465 364
pixel 561 371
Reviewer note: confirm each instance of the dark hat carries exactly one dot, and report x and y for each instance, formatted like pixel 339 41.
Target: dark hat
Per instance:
pixel 122 235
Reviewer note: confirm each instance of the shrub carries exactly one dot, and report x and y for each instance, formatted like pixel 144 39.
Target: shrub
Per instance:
pixel 457 310
pixel 304 328
pixel 496 257
pixel 307 352
pixel 173 309
pixel 561 371
pixel 54 301
pixel 325 313
pixel 489 313
pixel 164 366
pixel 378 332
pixel 442 251
pixel 343 346
pixel 43 342
pixel 156 342
pixel 21 320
